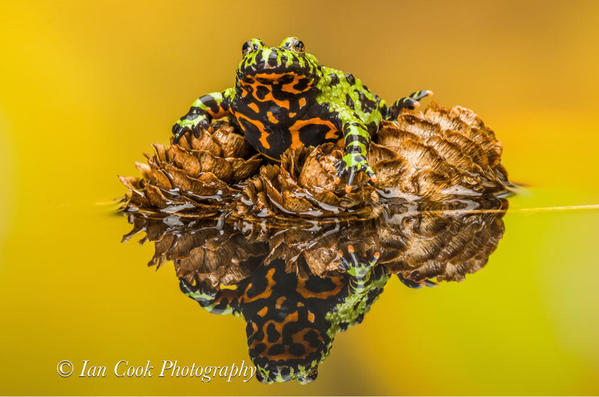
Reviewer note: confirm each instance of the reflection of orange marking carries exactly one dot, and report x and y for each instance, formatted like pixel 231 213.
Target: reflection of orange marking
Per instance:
pixel 295 135
pixel 306 293
pixel 341 142
pixel 267 290
pixel 310 316
pixel 272 118
pixel 299 338
pixel 279 302
pixel 254 107
pixel 302 102
pixel 262 312
pixel 263 133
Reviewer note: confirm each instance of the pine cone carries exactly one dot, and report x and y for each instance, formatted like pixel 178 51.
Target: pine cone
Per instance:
pixel 435 155
pixel 196 177
pixel 438 154
pixel 303 185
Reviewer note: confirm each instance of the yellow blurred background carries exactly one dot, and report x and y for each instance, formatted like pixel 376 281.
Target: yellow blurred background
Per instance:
pixel 86 87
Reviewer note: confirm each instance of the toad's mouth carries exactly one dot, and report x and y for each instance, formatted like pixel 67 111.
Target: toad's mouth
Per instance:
pixel 273 64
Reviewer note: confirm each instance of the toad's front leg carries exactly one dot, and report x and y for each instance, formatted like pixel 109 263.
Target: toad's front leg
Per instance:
pixel 357 140
pixel 201 113
pixel 218 301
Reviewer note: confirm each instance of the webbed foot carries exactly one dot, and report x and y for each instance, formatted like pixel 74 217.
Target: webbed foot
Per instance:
pixel 350 165
pixel 191 122
pixel 410 102
pixel 351 264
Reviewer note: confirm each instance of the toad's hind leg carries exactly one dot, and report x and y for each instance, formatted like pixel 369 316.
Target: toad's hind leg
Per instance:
pixel 408 102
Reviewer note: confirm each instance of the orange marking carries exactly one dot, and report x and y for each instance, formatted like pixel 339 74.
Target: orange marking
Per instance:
pixel 310 316
pixel 262 312
pixel 272 118
pixel 302 102
pixel 254 107
pixel 263 133
pixel 279 302
pixel 298 337
pixel 270 76
pixel 295 139
pixel 267 290
pixel 306 293
pixel 288 87
pixel 291 114
pixel 268 97
pixel 295 135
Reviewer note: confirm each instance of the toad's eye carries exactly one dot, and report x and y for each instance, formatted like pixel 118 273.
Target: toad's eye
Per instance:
pixel 251 45
pixel 246 47
pixel 294 44
pixel 298 46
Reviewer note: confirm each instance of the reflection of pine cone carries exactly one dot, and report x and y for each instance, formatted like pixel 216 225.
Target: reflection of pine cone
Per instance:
pixel 445 242
pixel 204 252
pixel 419 241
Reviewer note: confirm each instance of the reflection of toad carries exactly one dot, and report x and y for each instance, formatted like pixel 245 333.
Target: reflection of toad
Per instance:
pixel 291 321
pixel 297 288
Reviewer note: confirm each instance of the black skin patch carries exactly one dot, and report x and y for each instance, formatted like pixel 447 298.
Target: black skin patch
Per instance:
pixel 192 114
pixel 272 58
pixel 372 128
pixel 302 84
pixel 350 78
pixel 261 92
pixel 334 79
pixel 297 350
pixel 273 334
pixel 311 135
pixel 276 349
pixel 368 105
pixel 348 101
